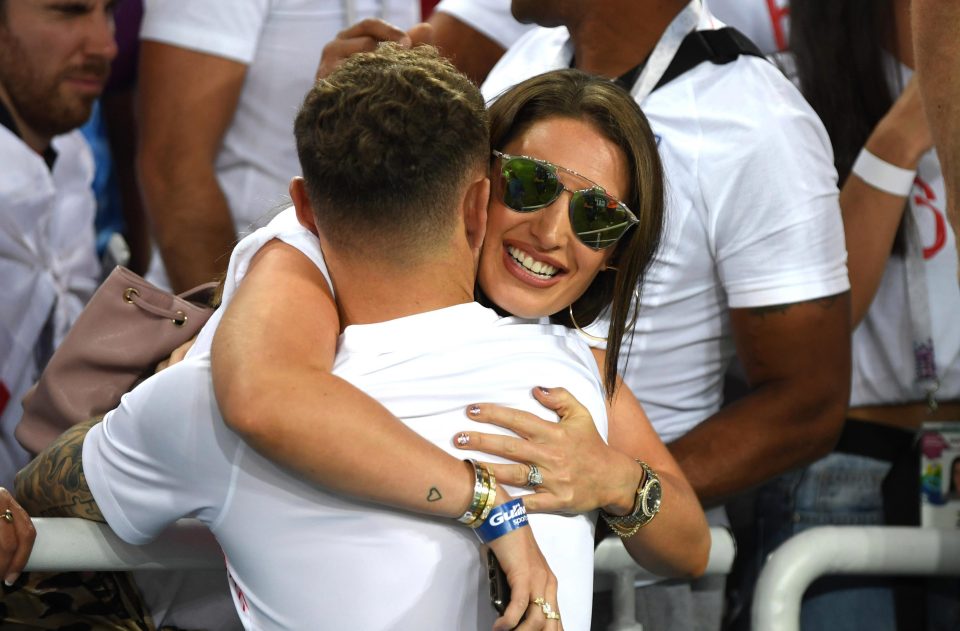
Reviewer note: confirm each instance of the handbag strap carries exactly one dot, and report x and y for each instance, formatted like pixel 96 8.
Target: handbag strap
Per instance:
pixel 132 296
pixel 201 293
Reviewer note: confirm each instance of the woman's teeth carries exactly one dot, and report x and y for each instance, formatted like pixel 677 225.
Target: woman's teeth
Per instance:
pixel 540 269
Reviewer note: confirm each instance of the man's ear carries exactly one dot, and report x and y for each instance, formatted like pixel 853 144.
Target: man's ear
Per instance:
pixel 301 202
pixel 475 203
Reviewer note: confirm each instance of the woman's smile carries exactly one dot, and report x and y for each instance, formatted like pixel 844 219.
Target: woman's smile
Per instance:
pixel 532 263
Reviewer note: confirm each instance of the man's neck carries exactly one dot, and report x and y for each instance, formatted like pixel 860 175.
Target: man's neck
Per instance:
pixel 368 293
pixel 613 37
pixel 37 142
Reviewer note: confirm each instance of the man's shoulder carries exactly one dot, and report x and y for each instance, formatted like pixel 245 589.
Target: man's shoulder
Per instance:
pixel 733 121
pixel 751 92
pixel 539 50
pixel 222 29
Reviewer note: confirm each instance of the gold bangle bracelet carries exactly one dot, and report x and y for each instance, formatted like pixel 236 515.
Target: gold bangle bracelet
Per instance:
pixel 480 491
pixel 491 498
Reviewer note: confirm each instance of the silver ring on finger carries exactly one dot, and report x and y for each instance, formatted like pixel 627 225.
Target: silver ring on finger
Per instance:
pixel 7 516
pixel 534 477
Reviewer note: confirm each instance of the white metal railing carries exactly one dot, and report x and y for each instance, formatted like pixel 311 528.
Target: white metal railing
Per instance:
pixel 873 550
pixel 77 544
pixel 612 558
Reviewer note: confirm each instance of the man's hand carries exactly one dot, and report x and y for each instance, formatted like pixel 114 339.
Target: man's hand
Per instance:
pixel 17 535
pixel 365 36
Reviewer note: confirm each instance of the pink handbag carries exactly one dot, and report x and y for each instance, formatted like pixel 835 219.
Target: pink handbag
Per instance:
pixel 125 330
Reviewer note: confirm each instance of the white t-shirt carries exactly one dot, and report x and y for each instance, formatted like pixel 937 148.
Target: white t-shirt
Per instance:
pixel 48 267
pixel 883 368
pixel 765 22
pixel 311 556
pixel 280 41
pixel 490 17
pixel 753 218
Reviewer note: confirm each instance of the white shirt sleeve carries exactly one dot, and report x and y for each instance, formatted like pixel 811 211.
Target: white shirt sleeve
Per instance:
pixel 225 29
pixel 491 17
pixel 163 454
pixel 770 185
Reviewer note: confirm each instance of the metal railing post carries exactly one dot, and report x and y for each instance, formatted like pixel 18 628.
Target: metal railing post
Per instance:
pixel 868 550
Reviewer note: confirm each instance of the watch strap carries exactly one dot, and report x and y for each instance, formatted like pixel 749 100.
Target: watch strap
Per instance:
pixel 645 507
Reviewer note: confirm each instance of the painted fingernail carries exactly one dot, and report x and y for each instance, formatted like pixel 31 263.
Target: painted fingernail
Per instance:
pixel 473 410
pixel 463 439
pixel 10 579
pixel 544 390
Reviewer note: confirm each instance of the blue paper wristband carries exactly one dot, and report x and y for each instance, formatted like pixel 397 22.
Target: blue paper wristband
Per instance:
pixel 503 519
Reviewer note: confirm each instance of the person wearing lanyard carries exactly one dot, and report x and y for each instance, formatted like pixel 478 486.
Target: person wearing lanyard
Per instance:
pixel 904 298
pixel 752 265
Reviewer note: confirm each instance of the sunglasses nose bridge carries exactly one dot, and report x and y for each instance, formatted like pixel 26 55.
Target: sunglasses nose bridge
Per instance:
pixel 551 224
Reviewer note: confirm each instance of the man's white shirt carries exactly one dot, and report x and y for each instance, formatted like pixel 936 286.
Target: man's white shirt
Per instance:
pixel 299 557
pixel 48 263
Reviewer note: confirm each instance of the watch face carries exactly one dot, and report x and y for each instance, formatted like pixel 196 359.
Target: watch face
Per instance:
pixel 651 498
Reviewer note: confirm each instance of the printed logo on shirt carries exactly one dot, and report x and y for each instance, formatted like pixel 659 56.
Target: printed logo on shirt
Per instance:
pixel 925 199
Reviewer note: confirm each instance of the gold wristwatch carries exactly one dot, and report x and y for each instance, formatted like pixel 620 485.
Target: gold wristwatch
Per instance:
pixel 645 507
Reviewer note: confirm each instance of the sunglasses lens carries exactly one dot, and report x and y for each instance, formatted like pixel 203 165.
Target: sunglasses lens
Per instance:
pixel 598 219
pixel 528 185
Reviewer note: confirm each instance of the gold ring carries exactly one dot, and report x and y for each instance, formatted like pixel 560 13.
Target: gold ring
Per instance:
pixel 7 515
pixel 547 609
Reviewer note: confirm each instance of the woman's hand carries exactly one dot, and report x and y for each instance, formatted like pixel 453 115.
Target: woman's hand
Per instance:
pixel 530 579
pixel 580 471
pixel 177 355
pixel 17 535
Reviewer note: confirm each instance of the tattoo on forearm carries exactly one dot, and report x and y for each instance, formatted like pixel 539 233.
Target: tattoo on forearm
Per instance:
pixel 434 495
pixel 823 303
pixel 53 484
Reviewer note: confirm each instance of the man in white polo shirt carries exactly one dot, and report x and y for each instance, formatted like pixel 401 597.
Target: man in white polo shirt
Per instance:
pixel 304 558
pixel 752 264
pixel 476 33
pixel 219 84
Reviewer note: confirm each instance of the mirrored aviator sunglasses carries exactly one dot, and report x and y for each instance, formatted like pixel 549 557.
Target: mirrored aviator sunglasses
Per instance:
pixel 529 184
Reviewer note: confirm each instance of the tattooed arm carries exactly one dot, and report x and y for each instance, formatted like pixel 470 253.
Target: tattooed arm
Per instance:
pixel 53 484
pixel 797 361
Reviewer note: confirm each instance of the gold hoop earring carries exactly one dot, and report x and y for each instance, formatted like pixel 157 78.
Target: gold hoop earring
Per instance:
pixel 582 332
